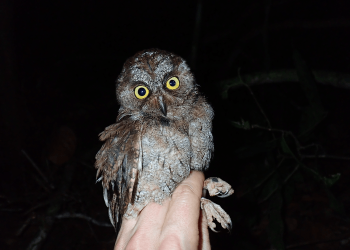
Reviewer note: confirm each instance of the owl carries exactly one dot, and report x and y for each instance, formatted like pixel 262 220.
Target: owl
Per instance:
pixel 162 132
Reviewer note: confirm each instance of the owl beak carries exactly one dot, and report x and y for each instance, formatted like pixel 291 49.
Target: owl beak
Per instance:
pixel 162 105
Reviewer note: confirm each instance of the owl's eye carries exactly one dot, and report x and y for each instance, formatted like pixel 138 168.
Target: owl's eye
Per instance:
pixel 141 92
pixel 173 83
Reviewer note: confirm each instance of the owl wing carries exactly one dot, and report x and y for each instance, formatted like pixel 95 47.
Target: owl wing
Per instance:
pixel 200 135
pixel 118 163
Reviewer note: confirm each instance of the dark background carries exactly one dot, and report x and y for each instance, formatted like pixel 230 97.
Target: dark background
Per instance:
pixel 59 62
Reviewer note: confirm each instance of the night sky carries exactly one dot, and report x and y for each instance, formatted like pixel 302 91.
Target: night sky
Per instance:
pixel 282 140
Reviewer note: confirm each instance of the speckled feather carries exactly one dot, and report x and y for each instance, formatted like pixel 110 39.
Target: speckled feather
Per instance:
pixel 147 153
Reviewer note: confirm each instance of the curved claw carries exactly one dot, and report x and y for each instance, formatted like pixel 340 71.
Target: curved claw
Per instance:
pixel 218 187
pixel 224 195
pixel 229 225
pixel 214 211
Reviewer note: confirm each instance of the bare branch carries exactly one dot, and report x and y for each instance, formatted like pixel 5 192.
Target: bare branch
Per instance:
pixel 37 168
pixel 55 206
pixel 301 147
pixel 335 157
pixel 42 235
pixel 334 79
pixel 292 24
pixel 84 217
pixel 256 101
pixel 25 225
pixel 264 179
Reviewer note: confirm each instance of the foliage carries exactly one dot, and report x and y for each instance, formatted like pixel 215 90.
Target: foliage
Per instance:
pixel 280 154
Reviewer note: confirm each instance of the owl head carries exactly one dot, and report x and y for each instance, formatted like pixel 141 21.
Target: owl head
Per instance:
pixel 155 83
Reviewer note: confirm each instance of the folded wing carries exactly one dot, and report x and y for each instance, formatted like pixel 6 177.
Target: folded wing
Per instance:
pixel 119 162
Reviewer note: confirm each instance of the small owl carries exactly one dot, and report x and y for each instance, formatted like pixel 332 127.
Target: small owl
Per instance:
pixel 162 132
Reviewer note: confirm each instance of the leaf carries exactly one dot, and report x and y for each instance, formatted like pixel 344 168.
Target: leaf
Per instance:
pixel 276 225
pixel 327 181
pixel 331 180
pixel 242 124
pixel 226 85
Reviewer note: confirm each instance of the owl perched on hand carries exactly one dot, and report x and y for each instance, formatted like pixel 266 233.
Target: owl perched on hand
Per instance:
pixel 162 132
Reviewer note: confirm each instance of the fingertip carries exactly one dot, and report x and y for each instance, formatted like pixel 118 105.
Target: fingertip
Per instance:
pixel 197 176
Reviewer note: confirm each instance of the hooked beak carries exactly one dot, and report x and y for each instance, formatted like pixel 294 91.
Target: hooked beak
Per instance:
pixel 162 105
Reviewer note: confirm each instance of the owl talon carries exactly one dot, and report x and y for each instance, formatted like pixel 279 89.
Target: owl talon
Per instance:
pixel 218 187
pixel 214 211
pixel 225 195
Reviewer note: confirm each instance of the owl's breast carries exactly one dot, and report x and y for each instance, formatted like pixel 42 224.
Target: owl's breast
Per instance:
pixel 166 157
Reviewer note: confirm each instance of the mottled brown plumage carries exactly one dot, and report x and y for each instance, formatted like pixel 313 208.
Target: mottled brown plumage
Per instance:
pixel 158 138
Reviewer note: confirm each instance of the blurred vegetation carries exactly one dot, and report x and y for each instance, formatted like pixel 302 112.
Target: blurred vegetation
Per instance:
pixel 279 155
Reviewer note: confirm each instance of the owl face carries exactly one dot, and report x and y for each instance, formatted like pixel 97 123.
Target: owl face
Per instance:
pixel 155 83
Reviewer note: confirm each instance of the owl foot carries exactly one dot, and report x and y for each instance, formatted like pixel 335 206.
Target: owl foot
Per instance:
pixel 218 187
pixel 214 211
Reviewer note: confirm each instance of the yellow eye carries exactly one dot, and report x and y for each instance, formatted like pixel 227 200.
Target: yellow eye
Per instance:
pixel 141 92
pixel 173 83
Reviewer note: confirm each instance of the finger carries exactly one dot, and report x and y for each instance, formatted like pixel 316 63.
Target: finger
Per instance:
pixel 125 233
pixel 143 231
pixel 181 221
pixel 204 242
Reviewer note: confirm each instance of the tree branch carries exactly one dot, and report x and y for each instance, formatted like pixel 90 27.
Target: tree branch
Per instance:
pixel 255 100
pixel 334 79
pixel 84 217
pixel 54 208
pixel 335 157
pixel 37 168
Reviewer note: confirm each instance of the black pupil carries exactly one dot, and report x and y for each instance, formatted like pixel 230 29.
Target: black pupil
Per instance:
pixel 141 91
pixel 172 83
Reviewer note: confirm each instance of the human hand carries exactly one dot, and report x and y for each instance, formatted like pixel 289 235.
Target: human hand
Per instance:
pixel 177 224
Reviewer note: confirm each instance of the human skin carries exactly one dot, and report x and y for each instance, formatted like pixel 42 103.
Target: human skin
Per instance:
pixel 177 224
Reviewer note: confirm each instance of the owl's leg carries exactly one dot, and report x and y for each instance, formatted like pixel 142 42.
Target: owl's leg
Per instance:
pixel 218 187
pixel 214 211
pixel 222 189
